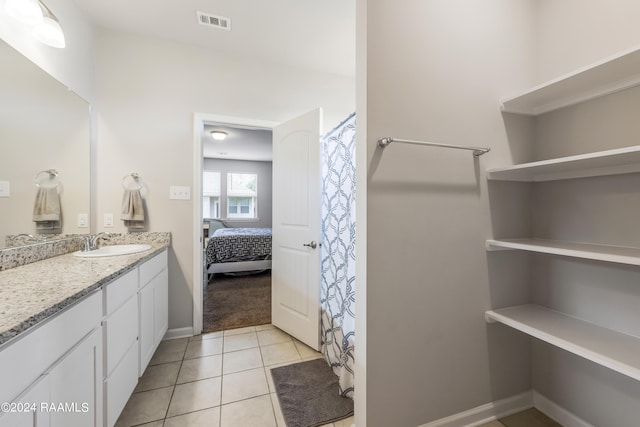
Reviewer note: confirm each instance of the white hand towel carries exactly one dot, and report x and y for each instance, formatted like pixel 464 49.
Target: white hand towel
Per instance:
pixel 133 213
pixel 46 209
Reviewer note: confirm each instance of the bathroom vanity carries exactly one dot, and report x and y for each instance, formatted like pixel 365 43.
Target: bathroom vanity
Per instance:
pixel 73 345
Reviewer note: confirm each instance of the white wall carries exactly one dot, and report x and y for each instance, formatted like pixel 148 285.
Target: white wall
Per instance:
pixel 147 93
pixel 264 172
pixel 435 71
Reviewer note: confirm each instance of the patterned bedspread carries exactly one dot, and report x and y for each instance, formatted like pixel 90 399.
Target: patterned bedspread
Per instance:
pixel 239 244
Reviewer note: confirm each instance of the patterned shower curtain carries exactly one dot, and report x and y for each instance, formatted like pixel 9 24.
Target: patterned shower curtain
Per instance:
pixel 337 295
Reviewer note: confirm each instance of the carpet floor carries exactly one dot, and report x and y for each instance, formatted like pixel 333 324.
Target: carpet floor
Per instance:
pixel 231 302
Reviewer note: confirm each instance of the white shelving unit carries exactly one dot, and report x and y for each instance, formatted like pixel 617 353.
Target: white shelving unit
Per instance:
pixel 610 162
pixel 606 253
pixel 612 349
pixel 606 347
pixel 608 76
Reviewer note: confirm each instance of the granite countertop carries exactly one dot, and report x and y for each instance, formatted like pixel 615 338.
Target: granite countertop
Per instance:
pixel 34 292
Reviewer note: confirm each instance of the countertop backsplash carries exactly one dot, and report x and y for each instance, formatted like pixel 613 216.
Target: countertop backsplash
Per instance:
pixel 22 255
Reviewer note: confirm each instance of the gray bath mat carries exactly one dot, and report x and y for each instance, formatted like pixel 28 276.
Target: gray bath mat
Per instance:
pixel 308 394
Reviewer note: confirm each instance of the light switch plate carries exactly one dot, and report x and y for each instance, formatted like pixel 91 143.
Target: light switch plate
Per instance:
pixel 5 189
pixel 108 220
pixel 179 193
pixel 83 220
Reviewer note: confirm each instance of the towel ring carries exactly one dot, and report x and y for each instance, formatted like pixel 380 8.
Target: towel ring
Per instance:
pixel 134 178
pixel 51 174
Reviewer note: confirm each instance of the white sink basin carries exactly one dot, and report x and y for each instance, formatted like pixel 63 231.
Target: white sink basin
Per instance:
pixel 113 250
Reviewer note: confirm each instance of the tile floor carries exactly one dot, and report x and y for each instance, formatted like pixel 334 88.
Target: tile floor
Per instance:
pixel 220 379
pixel 529 418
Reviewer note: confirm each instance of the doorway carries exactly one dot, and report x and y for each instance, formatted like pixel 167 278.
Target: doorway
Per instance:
pixel 223 207
pixel 237 208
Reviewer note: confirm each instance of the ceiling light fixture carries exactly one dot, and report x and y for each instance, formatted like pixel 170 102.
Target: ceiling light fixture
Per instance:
pixel 46 27
pixel 218 135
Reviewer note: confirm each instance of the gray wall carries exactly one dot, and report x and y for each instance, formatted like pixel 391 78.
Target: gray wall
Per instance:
pixel 263 169
pixel 572 34
pixel 595 210
pixel 435 71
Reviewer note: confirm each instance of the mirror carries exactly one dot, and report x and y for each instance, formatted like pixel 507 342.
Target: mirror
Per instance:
pixel 43 126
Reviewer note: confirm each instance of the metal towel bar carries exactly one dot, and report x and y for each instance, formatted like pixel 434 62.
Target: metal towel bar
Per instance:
pixel 477 151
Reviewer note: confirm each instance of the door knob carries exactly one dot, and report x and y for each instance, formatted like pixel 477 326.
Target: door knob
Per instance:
pixel 313 244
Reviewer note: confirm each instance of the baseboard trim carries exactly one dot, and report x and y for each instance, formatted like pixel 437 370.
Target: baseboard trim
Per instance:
pixel 178 333
pixel 558 413
pixel 486 413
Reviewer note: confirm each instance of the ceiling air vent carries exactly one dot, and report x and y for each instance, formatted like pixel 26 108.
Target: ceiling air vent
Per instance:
pixel 214 21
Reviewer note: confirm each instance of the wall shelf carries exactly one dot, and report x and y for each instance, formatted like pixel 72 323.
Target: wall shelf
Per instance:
pixel 609 162
pixel 606 347
pixel 613 74
pixel 606 253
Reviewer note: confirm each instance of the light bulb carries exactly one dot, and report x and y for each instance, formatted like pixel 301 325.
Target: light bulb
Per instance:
pixel 26 11
pixel 218 135
pixel 50 33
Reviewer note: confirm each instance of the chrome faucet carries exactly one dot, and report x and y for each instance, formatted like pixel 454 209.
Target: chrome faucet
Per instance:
pixel 91 241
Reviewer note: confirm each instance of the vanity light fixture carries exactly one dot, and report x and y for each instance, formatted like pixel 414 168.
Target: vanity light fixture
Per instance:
pixel 218 135
pixel 46 27
pixel 49 31
pixel 26 11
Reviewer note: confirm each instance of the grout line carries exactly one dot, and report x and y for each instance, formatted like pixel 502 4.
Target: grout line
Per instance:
pixel 173 391
pixel 221 379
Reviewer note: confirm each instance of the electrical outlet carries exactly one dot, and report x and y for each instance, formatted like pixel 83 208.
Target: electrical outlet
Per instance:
pixel 83 220
pixel 5 189
pixel 108 220
pixel 179 193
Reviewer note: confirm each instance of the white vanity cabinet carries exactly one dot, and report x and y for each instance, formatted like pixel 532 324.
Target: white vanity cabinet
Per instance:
pixel 120 336
pixel 153 300
pixel 136 319
pixel 79 367
pixel 57 368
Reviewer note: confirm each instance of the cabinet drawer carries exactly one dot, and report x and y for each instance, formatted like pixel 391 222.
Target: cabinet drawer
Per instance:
pixel 120 332
pixel 151 268
pixel 119 386
pixel 24 360
pixel 119 291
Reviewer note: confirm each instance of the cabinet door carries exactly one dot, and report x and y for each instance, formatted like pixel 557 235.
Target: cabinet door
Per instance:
pixel 146 299
pixel 160 306
pixel 76 385
pixel 154 316
pixel 37 394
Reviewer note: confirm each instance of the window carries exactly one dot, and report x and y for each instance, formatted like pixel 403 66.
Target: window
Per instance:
pixel 211 194
pixel 242 195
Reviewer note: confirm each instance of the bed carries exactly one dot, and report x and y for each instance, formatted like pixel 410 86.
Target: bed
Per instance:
pixel 231 250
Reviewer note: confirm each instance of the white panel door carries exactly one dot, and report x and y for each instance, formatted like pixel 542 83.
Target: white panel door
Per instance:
pixel 296 228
